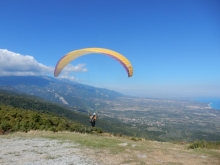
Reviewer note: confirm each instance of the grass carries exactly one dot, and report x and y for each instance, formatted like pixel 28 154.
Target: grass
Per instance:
pixel 91 140
pixel 112 146
pixel 213 153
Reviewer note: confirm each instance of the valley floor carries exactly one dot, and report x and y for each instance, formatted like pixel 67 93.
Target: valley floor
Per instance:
pixel 45 148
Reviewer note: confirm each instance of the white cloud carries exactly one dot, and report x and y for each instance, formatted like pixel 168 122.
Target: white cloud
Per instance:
pixel 66 72
pixel 16 64
pixel 70 68
pixel 23 65
pixel 71 78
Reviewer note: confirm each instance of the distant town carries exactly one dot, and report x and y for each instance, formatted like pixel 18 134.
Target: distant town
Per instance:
pixel 183 118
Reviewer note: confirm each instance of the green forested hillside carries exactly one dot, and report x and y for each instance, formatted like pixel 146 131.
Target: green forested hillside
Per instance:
pixel 32 105
pixel 18 119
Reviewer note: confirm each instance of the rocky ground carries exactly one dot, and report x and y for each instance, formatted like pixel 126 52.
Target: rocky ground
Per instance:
pixel 41 151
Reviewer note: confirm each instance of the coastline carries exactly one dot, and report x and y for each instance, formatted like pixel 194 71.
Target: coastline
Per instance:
pixel 213 103
pixel 215 106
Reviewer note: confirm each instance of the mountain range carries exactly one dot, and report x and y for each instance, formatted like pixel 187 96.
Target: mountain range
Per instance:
pixel 64 92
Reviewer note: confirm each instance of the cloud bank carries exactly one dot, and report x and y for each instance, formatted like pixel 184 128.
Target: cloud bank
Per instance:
pixel 14 64
pixel 66 72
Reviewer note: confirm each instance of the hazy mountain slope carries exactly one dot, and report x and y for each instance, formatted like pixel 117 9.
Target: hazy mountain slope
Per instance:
pixel 59 91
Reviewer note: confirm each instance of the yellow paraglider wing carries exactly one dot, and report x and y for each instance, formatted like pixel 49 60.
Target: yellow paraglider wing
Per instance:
pixel 77 53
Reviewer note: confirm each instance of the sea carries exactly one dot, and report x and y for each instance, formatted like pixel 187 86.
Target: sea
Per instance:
pixel 213 102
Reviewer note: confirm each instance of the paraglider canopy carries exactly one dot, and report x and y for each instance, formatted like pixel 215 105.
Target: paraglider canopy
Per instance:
pixel 80 52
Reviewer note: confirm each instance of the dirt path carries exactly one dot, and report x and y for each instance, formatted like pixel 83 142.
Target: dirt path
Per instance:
pixel 41 151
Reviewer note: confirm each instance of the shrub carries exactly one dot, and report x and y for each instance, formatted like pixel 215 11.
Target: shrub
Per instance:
pixel 134 139
pixel 5 126
pixel 97 129
pixel 25 126
pixel 205 144
pixel 53 129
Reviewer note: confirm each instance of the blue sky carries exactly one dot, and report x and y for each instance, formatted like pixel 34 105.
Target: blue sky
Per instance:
pixel 173 45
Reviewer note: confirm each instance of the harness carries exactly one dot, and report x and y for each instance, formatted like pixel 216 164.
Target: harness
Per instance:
pixel 91 120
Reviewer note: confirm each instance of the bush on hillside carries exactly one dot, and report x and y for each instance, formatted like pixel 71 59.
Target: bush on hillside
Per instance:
pixel 204 144
pixel 18 119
